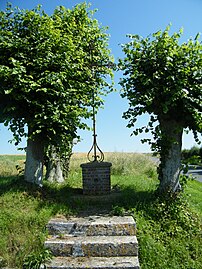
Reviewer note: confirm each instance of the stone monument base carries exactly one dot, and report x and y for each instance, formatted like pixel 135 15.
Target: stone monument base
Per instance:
pixel 96 178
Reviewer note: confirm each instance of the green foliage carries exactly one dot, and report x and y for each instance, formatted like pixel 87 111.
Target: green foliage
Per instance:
pixel 35 260
pixel 169 234
pixel 2 262
pixel 118 210
pixel 163 78
pixel 46 70
pixel 175 216
pixel 192 156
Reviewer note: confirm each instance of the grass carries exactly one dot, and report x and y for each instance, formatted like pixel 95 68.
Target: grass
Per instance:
pixel 169 230
pixel 194 189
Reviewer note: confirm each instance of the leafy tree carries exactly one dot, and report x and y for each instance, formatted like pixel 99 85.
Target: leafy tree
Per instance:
pixel 163 78
pixel 192 155
pixel 46 76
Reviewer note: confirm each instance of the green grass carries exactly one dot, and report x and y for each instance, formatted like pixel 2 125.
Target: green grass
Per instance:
pixel 194 190
pixel 169 230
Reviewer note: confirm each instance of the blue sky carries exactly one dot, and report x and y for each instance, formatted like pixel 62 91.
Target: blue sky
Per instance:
pixel 123 17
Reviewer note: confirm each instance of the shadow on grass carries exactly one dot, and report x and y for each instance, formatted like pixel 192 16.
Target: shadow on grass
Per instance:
pixel 131 197
pixel 67 200
pixel 10 183
pixel 58 196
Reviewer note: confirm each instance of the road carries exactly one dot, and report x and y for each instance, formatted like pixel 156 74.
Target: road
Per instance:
pixel 196 172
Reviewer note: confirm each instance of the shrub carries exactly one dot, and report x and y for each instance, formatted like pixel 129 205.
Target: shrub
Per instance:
pixel 192 156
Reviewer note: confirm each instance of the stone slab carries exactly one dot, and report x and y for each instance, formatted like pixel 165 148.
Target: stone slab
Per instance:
pixel 93 246
pixel 94 263
pixel 93 226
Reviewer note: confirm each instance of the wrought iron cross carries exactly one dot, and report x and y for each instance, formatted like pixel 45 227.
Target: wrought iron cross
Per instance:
pixel 98 155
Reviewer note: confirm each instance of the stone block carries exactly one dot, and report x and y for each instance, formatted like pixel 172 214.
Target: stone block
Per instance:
pixel 94 263
pixel 93 226
pixel 94 246
pixel 96 242
pixel 96 178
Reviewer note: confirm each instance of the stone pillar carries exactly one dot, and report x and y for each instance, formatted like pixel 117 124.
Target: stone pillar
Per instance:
pixel 96 178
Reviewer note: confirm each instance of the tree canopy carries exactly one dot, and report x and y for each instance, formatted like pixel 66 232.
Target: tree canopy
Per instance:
pixel 46 69
pixel 163 78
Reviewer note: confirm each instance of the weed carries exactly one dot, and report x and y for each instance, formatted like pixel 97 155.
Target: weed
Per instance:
pixel 118 211
pixel 35 260
pixel 2 262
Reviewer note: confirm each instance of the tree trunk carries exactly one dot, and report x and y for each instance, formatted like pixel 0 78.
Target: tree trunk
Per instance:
pixel 57 165
pixel 65 160
pixel 170 166
pixel 54 167
pixel 34 161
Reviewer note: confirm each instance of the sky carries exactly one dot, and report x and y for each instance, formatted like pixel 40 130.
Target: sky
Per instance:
pixel 142 17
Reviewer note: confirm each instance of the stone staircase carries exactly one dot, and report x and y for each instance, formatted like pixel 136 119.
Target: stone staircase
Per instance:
pixel 97 242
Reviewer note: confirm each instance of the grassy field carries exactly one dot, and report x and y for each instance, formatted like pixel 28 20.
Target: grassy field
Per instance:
pixel 169 230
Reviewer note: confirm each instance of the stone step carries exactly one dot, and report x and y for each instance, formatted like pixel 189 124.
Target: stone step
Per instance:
pixel 95 246
pixel 93 263
pixel 93 226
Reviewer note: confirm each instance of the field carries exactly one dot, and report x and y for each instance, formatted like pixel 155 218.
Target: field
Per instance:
pixel 169 230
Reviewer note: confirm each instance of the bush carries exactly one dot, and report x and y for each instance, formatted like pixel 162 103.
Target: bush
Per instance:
pixel 192 156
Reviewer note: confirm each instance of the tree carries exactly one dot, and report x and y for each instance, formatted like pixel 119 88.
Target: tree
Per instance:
pixel 192 155
pixel 46 77
pixel 57 161
pixel 163 79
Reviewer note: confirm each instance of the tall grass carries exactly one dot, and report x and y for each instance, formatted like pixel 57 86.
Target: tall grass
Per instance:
pixel 8 164
pixel 169 229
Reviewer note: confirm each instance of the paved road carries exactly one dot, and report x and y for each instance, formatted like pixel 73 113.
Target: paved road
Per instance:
pixel 196 172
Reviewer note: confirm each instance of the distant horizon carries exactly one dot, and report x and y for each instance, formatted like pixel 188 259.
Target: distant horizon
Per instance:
pixel 105 152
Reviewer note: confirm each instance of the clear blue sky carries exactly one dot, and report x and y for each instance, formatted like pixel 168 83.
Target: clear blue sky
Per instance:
pixel 123 17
